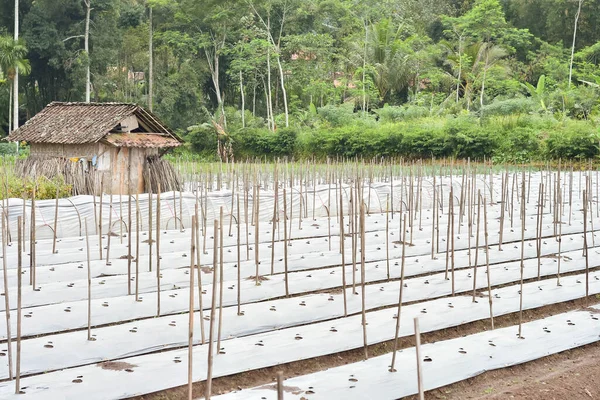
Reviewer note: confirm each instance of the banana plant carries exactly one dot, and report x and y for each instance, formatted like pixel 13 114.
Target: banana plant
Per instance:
pixel 537 92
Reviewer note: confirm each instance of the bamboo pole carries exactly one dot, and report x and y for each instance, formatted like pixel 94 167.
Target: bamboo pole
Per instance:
pixel 487 260
pixel 221 229
pixel 522 267
pixel 239 257
pixel 89 284
pixel 158 207
pixel 208 386
pixel 6 301
pixel 100 215
pixel 343 250
pixel 362 276
pixel 20 233
pixel 399 311
pixel 191 311
pixel 137 244
pixel 285 243
pixel 477 245
pixel 55 222
pixel 110 213
pixel 196 229
pixel 585 249
pixel 256 232
pixel 419 363
pixel 279 385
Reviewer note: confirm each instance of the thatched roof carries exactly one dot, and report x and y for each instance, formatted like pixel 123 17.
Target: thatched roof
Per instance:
pixel 79 123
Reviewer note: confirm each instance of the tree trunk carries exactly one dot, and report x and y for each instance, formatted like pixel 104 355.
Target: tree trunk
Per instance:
pixel 15 120
pixel 574 37
pixel 271 120
pixel 243 100
pixel 87 50
pixel 285 104
pixel 459 68
pixel 150 61
pixel 10 102
pixel 364 105
pixel 485 68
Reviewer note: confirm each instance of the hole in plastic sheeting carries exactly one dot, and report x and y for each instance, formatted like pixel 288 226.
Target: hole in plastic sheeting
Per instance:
pixel 427 359
pixel 68 309
pixel 426 282
pixel 570 322
pixel 450 305
pixel 259 343
pixel 129 370
pixel 272 308
pixel 105 304
pixel 49 345
pixel 29 314
pixel 353 379
pixel 330 298
pixel 206 318
pixel 70 285
pixel 173 323
pixel 133 330
pixel 333 329
pixel 303 303
pixel 176 360
pixel 424 311
pixel 462 351
pixel 546 330
pixel 77 380
pixel 298 337
pixel 222 350
pixel 594 317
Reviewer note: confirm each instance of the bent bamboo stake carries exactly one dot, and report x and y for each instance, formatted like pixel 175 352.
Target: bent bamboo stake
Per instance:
pixel 398 313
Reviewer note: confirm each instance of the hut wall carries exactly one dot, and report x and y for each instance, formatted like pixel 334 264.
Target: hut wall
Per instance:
pixel 120 157
pixel 87 150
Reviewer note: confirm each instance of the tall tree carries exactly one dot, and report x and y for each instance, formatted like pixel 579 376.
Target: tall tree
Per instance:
pixel 12 63
pixel 574 38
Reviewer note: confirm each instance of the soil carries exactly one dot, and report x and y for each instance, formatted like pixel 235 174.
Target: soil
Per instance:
pixel 568 375
pixel 572 375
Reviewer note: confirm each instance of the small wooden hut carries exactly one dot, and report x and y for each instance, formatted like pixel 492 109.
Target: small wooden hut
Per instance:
pixel 91 144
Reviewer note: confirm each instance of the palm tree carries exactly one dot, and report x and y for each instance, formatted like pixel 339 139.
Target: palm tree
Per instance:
pixel 12 60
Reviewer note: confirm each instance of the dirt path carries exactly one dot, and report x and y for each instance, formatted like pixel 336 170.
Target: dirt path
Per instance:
pixel 572 375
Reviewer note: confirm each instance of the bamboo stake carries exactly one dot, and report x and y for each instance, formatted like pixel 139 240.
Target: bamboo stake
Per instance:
pixel 487 260
pixel 100 215
pixel 221 229
pixel 398 313
pixel 279 385
pixel 137 244
pixel 522 256
pixel 387 238
pixel 191 314
pixel 20 233
pixel 477 244
pixel 419 363
pixel 585 249
pixel 239 258
pixel 196 229
pixel 149 221
pixel 158 207
pixel 343 250
pixel 55 222
pixel 129 256
pixel 285 243
pixel 212 313
pixel 110 213
pixel 89 284
pixel 256 232
pixel 6 301
pixel 362 276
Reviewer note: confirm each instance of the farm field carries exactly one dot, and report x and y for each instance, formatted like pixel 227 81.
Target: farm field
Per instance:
pixel 294 266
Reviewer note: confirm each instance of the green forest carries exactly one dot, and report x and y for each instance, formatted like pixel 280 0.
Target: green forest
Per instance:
pixel 507 80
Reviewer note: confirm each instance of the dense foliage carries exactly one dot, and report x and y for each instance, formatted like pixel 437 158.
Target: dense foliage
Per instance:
pixel 429 78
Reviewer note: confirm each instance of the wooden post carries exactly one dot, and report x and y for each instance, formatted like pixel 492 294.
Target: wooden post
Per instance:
pixel 362 276
pixel 191 309
pixel 129 256
pixel 285 243
pixel 137 244
pixel 221 229
pixel 89 283
pixel 343 250
pixel 6 301
pixel 419 363
pixel 55 222
pixel 487 260
pixel 20 233
pixel 239 258
pixel 522 255
pixel 399 311
pixel 100 215
pixel 158 207
pixel 212 313
pixel 279 385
